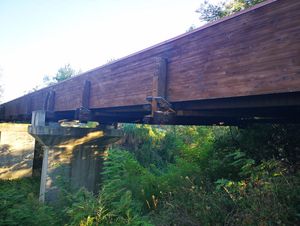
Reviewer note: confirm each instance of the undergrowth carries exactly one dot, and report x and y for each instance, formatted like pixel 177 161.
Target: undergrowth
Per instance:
pixel 162 175
pixel 19 204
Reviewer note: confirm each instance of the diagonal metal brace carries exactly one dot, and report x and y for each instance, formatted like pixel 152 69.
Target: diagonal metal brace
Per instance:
pixel 161 103
pixel 161 111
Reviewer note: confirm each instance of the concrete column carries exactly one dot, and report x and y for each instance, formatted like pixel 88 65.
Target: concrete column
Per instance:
pixel 44 174
pixel 37 159
pixel 72 157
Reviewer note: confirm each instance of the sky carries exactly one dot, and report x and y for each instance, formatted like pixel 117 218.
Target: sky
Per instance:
pixel 37 37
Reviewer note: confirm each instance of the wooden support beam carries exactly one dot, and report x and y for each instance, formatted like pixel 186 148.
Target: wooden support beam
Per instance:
pixel 85 103
pixel 258 101
pixel 161 112
pixel 49 103
pixel 160 78
pixel 159 82
pixel 83 113
pixel 38 118
pixel 29 106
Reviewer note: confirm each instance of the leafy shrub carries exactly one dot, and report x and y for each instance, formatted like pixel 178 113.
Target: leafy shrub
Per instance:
pixel 268 197
pixel 19 204
pixel 115 204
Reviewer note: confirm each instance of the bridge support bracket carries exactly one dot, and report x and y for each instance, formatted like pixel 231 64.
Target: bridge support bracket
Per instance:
pixel 161 111
pixel 83 114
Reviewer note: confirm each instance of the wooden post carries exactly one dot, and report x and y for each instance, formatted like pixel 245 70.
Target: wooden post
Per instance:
pixel 49 103
pixel 161 77
pixel 86 94
pixel 38 118
pixel 83 113
pixel 159 85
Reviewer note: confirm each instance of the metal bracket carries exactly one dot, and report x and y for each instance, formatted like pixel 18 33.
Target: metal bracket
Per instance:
pixel 161 111
pixel 82 114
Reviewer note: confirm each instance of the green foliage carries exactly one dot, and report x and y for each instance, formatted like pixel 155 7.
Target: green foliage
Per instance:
pixel 262 142
pixel 268 197
pixel 115 205
pixel 19 204
pixel 211 12
pixel 81 206
pixel 214 180
pixel 62 74
pixel 189 175
pixel 211 180
pixel 151 145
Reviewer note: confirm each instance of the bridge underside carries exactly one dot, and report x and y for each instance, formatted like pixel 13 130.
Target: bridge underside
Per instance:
pixel 272 108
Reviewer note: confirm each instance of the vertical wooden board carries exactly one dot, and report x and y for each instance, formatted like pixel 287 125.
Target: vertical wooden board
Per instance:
pixel 49 102
pixel 161 77
pixel 86 94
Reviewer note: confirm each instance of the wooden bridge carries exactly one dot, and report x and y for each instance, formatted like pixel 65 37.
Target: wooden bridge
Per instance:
pixel 239 69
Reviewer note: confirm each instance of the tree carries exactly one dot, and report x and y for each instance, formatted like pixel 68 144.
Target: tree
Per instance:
pixel 62 74
pixel 211 12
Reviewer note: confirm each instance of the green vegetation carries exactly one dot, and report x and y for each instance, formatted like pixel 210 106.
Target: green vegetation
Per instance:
pixel 164 175
pixel 211 12
pixel 62 74
pixel 19 204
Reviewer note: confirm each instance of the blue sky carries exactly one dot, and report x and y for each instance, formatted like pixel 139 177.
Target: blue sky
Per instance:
pixel 39 36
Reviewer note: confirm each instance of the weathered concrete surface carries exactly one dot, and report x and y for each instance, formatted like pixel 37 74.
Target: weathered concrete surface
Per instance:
pixel 16 151
pixel 72 169
pixel 73 157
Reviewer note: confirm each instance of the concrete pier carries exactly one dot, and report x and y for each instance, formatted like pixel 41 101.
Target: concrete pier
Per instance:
pixel 72 157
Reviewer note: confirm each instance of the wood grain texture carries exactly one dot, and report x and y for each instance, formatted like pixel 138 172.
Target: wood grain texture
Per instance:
pixel 253 53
